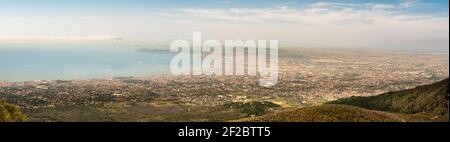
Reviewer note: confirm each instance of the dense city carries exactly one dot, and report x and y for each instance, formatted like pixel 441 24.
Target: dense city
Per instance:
pixel 307 77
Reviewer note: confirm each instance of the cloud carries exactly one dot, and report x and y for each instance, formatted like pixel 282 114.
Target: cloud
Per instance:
pixel 382 7
pixel 61 38
pixel 320 24
pixel 225 1
pixel 62 42
pixel 326 24
pixel 318 13
pixel 408 3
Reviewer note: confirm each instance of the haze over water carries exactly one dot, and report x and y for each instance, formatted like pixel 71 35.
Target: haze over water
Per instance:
pixel 25 64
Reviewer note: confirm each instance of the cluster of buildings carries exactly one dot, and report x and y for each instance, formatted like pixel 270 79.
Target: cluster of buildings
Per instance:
pixel 310 80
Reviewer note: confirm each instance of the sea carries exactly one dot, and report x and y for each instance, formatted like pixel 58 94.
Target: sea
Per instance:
pixel 27 64
pixel 18 64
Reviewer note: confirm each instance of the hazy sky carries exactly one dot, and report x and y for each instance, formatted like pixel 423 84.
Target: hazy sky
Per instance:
pixel 306 23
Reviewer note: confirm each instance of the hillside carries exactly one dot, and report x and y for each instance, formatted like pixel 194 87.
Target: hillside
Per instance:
pixel 423 103
pixel 329 113
pixel 10 112
pixel 428 100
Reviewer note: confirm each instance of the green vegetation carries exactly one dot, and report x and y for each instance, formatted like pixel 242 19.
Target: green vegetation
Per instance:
pixel 10 113
pixel 252 108
pixel 155 111
pixel 329 113
pixel 427 100
pixel 423 103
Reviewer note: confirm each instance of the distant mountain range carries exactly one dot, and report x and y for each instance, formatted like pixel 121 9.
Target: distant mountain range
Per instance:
pixel 423 103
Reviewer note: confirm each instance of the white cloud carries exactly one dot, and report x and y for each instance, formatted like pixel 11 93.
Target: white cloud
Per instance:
pixel 326 24
pixel 408 3
pixel 62 42
pixel 318 13
pixel 320 24
pixel 61 38
pixel 382 6
pixel 225 1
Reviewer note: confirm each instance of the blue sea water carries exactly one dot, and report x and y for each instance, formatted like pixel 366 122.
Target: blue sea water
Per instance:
pixel 25 64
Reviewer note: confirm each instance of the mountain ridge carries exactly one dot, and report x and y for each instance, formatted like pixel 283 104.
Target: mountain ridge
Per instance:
pixel 429 99
pixel 422 103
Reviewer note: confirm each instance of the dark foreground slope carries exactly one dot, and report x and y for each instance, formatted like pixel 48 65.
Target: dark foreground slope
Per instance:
pixel 428 100
pixel 10 112
pixel 423 103
pixel 329 113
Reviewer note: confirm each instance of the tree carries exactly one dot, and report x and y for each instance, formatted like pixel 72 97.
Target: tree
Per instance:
pixel 10 113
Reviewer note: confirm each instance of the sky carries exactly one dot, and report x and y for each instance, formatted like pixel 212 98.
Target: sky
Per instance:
pixel 307 23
